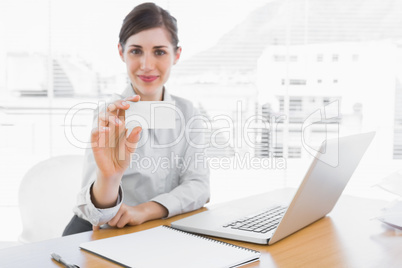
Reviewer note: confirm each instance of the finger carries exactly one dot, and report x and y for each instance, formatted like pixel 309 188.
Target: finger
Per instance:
pixel 105 119
pixel 95 228
pixel 122 112
pixel 116 218
pixel 102 119
pixel 115 136
pixel 98 137
pixel 119 104
pixel 118 109
pixel 95 135
pixel 109 128
pixel 134 137
pixel 134 98
pixel 113 222
pixel 124 219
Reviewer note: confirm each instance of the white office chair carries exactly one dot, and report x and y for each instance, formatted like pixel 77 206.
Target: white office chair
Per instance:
pixel 47 195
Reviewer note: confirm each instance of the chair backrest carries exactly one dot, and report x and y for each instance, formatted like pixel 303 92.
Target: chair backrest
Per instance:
pixel 47 195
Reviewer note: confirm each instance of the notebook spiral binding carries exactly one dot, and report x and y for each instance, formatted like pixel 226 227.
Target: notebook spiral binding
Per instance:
pixel 210 239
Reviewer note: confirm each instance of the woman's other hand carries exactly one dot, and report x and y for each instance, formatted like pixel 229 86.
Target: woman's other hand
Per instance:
pixel 138 214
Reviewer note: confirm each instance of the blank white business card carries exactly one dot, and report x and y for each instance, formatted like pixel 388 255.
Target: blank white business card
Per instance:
pixel 151 115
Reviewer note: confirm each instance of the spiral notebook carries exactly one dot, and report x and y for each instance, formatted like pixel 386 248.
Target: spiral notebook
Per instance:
pixel 164 246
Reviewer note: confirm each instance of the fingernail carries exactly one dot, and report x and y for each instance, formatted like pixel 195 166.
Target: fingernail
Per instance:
pixel 118 121
pixel 124 103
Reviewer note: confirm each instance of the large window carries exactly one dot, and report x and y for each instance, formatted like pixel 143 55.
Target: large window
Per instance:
pixel 273 67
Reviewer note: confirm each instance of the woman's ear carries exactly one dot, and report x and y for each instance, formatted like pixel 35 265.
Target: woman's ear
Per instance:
pixel 121 52
pixel 177 56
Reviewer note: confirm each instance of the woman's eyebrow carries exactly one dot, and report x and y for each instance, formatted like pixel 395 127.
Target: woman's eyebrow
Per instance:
pixel 155 47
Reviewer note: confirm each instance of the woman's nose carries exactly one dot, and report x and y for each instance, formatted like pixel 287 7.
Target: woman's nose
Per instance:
pixel 147 63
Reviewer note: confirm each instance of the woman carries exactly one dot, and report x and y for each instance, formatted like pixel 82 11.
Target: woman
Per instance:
pixel 119 192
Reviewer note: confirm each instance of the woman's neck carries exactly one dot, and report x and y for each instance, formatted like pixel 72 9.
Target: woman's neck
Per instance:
pixel 156 97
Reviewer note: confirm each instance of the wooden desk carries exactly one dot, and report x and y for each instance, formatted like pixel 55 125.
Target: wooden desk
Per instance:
pixel 347 237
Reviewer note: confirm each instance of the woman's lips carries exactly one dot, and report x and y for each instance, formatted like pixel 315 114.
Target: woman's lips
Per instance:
pixel 148 78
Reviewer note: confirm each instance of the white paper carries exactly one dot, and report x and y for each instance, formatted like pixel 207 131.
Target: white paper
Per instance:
pixel 392 215
pixel 151 115
pixel 392 183
pixel 393 220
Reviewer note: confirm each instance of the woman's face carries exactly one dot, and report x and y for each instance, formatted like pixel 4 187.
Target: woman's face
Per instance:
pixel 149 55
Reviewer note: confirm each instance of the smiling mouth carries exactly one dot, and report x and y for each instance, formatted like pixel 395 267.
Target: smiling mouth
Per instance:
pixel 148 78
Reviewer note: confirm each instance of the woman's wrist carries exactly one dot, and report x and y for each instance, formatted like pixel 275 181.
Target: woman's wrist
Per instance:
pixel 108 178
pixel 105 191
pixel 153 210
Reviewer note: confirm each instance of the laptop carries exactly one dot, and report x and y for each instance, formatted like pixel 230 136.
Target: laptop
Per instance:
pixel 262 220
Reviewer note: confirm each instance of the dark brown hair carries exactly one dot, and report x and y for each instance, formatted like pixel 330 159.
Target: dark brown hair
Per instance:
pixel 147 16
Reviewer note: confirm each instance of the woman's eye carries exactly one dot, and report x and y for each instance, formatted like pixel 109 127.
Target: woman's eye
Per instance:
pixel 160 52
pixel 136 51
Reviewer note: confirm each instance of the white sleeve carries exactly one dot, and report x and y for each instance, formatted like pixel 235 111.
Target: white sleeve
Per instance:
pixel 86 209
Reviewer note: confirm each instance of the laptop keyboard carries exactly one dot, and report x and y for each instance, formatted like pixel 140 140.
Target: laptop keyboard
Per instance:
pixel 262 222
